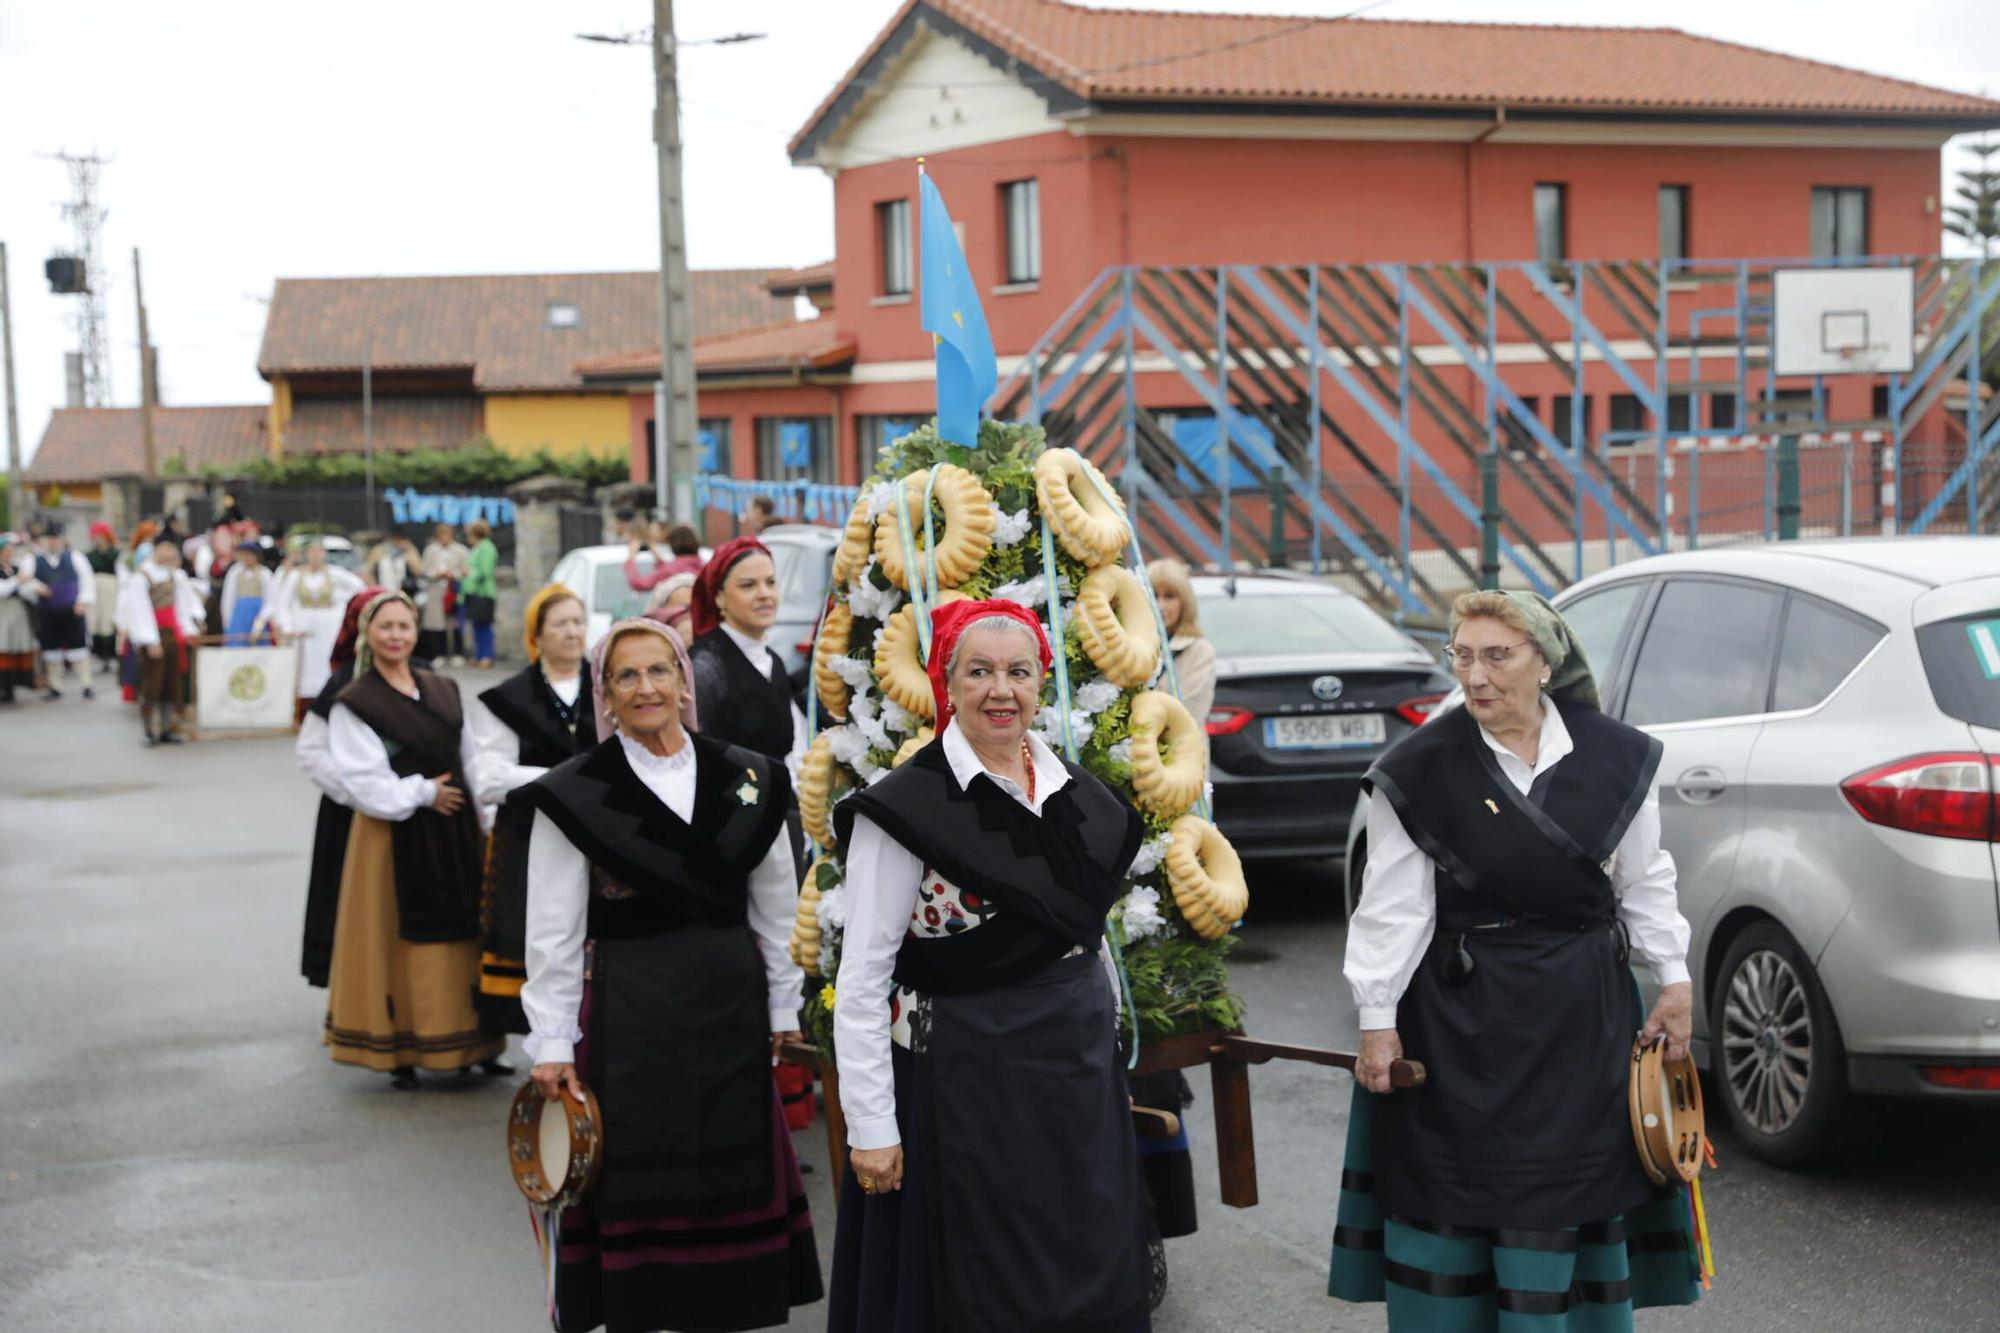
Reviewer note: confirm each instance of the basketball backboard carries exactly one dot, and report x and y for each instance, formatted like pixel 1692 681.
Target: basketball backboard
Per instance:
pixel 1843 321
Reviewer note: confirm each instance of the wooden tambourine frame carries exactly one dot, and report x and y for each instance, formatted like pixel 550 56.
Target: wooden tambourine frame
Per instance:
pixel 1669 1127
pixel 524 1146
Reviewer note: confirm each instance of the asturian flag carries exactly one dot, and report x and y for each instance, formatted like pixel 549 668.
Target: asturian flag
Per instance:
pixel 966 371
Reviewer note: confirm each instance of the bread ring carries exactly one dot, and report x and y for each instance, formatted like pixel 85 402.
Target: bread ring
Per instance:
pixel 1166 784
pixel 835 633
pixel 856 540
pixel 806 931
pixel 1119 632
pixel 817 786
pixel 909 747
pixel 1091 528
pixel 899 661
pixel 1206 877
pixel 970 520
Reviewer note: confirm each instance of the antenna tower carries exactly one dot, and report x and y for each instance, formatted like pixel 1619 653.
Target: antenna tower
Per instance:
pixel 87 220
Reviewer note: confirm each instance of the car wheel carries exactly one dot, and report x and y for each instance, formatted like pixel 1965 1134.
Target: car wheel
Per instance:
pixel 1779 1064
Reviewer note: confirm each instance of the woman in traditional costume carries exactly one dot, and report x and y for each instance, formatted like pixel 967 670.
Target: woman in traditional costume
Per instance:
pixel 739 680
pixel 17 630
pixel 1514 865
pixel 314 751
pixel 444 563
pixel 523 727
pixel 160 613
pixel 994 1185
pixel 102 557
pixel 246 589
pixel 660 899
pixel 406 938
pixel 310 602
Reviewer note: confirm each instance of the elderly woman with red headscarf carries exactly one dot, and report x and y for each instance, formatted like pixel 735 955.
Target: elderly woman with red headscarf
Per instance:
pixel 314 752
pixel 660 898
pixel 995 1180
pixel 739 681
pixel 406 937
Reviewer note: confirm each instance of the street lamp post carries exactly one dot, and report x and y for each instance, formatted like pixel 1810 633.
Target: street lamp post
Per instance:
pixel 673 392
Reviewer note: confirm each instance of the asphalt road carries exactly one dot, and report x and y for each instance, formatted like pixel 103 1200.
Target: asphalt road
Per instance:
pixel 176 1151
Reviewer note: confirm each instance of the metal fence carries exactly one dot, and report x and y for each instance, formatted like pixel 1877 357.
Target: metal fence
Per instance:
pixel 581 525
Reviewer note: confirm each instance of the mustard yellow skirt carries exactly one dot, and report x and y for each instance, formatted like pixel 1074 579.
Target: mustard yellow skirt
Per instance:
pixel 391 1002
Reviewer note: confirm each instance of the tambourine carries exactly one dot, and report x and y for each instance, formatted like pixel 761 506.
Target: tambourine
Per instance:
pixel 1668 1124
pixel 555 1158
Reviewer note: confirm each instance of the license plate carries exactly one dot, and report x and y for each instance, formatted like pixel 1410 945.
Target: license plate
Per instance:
pixel 1344 732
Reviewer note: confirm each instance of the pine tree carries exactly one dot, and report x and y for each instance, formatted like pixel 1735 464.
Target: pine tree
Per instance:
pixel 1976 217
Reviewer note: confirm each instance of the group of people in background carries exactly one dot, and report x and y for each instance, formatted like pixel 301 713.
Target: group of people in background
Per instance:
pixel 136 610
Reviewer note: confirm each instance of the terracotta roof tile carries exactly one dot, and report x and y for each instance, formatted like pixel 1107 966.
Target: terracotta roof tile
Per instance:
pixel 90 443
pixel 794 280
pixel 1147 55
pixel 333 425
pixel 812 344
pixel 495 325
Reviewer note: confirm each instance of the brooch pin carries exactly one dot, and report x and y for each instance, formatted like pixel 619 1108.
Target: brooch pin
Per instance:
pixel 1490 806
pixel 747 793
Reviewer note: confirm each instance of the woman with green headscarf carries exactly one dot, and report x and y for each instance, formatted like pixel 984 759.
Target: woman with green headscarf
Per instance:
pixel 1514 869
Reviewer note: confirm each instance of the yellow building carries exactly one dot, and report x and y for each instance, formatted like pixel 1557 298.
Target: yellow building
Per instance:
pixel 450 360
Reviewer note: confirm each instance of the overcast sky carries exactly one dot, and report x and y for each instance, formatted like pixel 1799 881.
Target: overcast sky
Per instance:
pixel 253 140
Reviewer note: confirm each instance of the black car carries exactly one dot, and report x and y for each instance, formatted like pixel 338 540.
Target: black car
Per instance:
pixel 1311 685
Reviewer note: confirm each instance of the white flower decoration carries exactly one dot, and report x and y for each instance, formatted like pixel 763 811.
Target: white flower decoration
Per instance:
pixel 1097 696
pixel 833 910
pixel 880 496
pixel 900 719
pixel 1141 915
pixel 855 673
pixel 1013 527
pixel 1151 854
pixel 1121 753
pixel 1049 723
pixel 869 602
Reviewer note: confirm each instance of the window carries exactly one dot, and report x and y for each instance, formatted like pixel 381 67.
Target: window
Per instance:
pixel 1680 412
pixel 1561 424
pixel 1722 411
pixel 564 315
pixel 1252 452
pixel 1674 222
pixel 1821 645
pixel 1626 414
pixel 1551 223
pixel 1022 201
pixel 1878 402
pixel 1962 662
pixel 712 446
pixel 878 433
pixel 1277 625
pixel 1707 653
pixel 892 230
pixel 1598 621
pixel 795 449
pixel 1839 222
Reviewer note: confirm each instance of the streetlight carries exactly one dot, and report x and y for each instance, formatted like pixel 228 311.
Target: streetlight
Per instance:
pixel 673 392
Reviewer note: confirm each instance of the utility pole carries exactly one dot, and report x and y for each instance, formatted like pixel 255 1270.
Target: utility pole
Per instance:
pixel 673 432
pixel 15 504
pixel 368 429
pixel 83 214
pixel 147 389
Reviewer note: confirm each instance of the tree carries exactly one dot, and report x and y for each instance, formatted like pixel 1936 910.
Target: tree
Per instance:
pixel 1976 217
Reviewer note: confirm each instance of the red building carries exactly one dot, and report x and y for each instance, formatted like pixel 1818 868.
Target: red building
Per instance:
pixel 1068 140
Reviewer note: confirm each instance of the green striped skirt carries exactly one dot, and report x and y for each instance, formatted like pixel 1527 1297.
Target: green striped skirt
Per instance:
pixel 1447 1279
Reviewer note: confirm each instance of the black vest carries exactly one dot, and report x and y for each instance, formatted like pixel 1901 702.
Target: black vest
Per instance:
pixel 736 700
pixel 1051 878
pixel 528 707
pixel 437 856
pixel 655 872
pixel 1540 856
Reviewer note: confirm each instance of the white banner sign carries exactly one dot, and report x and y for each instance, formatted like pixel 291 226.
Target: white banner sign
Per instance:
pixel 245 689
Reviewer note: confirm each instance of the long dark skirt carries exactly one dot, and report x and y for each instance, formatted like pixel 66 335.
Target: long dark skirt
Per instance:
pixel 503 917
pixel 329 856
pixel 1440 1278
pixel 724 1260
pixel 1021 1209
pixel 1168 1164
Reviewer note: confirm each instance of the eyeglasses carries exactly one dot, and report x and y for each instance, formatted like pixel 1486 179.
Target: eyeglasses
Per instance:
pixel 1460 659
pixel 661 674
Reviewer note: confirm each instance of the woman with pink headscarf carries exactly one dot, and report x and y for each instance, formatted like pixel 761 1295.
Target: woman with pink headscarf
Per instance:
pixel 661 890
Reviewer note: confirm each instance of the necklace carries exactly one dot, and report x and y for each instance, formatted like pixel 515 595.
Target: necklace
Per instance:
pixel 1028 762
pixel 566 713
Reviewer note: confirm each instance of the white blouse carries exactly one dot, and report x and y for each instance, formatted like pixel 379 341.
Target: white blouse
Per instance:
pixel 500 769
pixel 361 763
pixel 559 906
pixel 759 653
pixel 882 881
pixel 1397 912
pixel 314 752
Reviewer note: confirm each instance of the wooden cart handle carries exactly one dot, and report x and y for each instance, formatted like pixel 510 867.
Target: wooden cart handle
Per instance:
pixel 1250 1051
